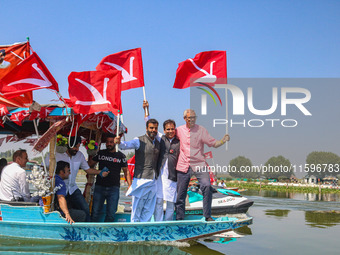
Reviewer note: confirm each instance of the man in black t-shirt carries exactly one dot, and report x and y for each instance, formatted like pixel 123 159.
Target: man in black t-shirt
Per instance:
pixel 108 188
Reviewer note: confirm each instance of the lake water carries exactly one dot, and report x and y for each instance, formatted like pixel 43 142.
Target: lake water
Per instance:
pixel 284 223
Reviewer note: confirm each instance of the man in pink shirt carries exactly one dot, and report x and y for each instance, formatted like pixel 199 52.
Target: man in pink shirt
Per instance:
pixel 191 162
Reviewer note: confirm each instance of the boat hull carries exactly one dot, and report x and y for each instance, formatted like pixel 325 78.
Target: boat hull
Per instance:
pixel 220 208
pixel 32 223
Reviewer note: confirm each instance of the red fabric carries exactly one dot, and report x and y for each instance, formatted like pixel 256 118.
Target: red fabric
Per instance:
pixel 131 166
pixel 95 91
pixel 209 66
pixel 130 63
pixel 3 110
pixel 30 140
pixel 18 117
pixel 43 113
pixel 212 175
pixel 208 155
pixel 14 54
pixel 79 118
pixel 44 140
pixel 31 74
pixel 9 138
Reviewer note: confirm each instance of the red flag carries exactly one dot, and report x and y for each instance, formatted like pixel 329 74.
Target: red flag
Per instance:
pixel 95 91
pixel 206 67
pixel 31 74
pixel 18 117
pixel 42 114
pixel 130 63
pixel 9 138
pixel 131 165
pixel 3 110
pixel 208 155
pixel 10 57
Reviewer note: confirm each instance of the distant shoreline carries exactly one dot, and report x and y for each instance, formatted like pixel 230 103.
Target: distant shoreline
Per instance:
pixel 284 187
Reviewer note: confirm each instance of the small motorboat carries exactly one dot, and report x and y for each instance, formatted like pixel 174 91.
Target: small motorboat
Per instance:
pixel 224 201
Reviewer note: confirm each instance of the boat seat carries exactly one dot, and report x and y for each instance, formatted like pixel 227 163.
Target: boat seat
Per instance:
pixel 17 203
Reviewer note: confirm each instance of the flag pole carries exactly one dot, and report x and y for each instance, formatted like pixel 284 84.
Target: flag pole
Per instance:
pixel 117 132
pixel 220 86
pixel 226 116
pixel 146 109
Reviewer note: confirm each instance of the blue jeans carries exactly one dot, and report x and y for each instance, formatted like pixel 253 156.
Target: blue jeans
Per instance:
pixel 77 201
pixel 111 195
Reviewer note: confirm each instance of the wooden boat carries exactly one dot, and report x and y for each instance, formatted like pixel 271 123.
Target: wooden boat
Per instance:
pixel 30 221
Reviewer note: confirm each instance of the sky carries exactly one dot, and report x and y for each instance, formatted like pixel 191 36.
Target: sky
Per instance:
pixel 263 39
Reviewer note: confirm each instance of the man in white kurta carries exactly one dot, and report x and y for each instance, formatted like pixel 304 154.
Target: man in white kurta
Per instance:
pixel 167 181
pixel 13 185
pixel 143 188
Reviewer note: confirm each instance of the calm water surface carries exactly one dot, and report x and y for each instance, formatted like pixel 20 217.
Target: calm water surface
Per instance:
pixel 284 223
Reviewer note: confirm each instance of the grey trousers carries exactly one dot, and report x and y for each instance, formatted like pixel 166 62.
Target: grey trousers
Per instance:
pixel 183 180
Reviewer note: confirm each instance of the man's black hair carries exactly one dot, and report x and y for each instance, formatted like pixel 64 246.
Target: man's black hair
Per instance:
pixel 152 121
pixel 3 52
pixel 110 135
pixel 168 122
pixel 61 166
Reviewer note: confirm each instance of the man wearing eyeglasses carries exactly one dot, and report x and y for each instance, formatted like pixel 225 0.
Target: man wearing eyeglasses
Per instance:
pixel 191 162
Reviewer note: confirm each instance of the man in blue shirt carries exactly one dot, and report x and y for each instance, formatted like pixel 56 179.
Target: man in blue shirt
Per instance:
pixel 72 215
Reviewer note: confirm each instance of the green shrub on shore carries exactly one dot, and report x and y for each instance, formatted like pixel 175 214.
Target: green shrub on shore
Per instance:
pixel 264 186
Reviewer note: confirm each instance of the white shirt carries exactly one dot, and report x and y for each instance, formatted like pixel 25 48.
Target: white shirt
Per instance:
pixel 166 189
pixel 77 162
pixel 13 183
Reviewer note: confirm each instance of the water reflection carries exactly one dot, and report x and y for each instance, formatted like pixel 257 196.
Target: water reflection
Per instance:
pixel 322 219
pixel 329 197
pixel 277 213
pixel 22 246
pixel 229 236
pixel 326 197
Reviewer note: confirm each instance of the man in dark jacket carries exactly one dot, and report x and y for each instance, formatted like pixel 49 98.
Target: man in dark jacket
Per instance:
pixel 167 181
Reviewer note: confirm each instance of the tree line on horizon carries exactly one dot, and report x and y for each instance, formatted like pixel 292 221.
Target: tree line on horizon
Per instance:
pixel 318 163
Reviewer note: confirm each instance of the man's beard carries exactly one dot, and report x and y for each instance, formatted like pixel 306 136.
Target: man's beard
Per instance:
pixel 151 134
pixel 72 152
pixel 110 147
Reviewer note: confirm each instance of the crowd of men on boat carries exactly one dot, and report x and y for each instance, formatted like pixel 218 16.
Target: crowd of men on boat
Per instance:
pixel 164 164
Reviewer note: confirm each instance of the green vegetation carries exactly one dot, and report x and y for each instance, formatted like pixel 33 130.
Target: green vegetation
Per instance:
pixel 321 164
pixel 130 155
pixel 242 164
pixel 278 168
pixel 8 155
pixel 264 186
